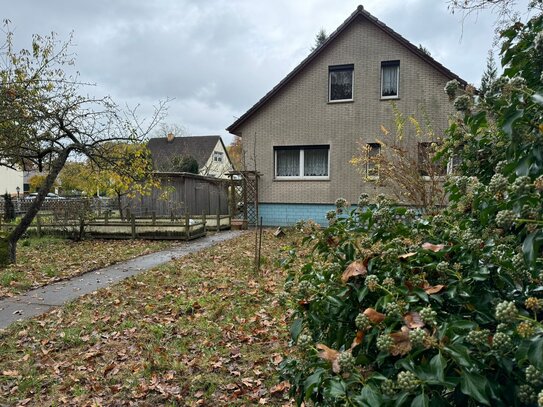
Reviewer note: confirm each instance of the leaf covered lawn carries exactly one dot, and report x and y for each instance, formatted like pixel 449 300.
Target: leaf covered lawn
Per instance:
pixel 43 261
pixel 201 330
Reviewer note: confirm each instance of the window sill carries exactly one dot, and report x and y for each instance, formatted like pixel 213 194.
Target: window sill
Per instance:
pixel 332 102
pixel 372 178
pixel 287 179
pixel 390 98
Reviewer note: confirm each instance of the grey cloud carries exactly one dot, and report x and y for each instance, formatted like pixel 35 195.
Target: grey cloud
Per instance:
pixel 217 57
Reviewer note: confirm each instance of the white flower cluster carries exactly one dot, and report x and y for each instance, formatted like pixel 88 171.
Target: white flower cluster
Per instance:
pixel 462 103
pixel 538 41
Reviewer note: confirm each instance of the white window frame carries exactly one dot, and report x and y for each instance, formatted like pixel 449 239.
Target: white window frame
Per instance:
pixel 218 156
pixel 301 169
pixel 336 68
pixel 386 64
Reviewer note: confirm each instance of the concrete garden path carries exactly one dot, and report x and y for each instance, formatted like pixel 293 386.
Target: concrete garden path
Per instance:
pixel 43 299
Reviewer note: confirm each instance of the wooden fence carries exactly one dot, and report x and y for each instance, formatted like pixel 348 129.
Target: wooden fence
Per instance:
pixel 182 193
pixel 154 227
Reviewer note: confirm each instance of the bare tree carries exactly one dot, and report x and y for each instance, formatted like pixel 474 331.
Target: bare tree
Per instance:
pixel 46 118
pixel 404 161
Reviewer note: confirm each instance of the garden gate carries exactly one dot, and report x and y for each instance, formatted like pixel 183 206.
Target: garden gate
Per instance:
pixel 244 196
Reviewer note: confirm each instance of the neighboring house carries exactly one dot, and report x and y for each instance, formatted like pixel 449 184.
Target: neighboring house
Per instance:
pixel 208 151
pixel 10 180
pixel 303 133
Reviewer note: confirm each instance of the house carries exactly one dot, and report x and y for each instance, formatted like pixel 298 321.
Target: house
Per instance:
pixel 303 133
pixel 208 151
pixel 11 181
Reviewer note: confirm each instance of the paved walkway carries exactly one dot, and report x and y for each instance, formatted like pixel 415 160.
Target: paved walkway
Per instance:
pixel 45 298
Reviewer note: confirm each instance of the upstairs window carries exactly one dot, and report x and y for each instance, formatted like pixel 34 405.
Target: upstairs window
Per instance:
pixel 373 151
pixel 218 156
pixel 340 83
pixel 428 167
pixel 390 79
pixel 302 162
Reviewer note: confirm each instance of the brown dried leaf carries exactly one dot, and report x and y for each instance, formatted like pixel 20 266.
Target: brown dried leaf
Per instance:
pixel 402 344
pixel 356 268
pixel 433 289
pixel 433 247
pixel 326 353
pixel 280 388
pixel 331 355
pixel 373 315
pixel 413 320
pixel 358 339
pixel 406 255
pixel 11 373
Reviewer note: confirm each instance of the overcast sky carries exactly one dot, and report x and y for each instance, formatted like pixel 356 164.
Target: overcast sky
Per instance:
pixel 216 58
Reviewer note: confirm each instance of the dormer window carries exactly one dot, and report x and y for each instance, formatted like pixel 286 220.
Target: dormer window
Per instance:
pixel 390 79
pixel 218 156
pixel 340 83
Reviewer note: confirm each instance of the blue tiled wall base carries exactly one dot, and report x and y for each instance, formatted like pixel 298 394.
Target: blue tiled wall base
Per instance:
pixel 289 214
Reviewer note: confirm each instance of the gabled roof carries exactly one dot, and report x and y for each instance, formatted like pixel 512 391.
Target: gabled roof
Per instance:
pixel 199 147
pixel 359 12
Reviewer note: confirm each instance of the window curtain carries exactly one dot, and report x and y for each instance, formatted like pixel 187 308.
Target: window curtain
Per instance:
pixel 390 80
pixel 316 162
pixel 288 163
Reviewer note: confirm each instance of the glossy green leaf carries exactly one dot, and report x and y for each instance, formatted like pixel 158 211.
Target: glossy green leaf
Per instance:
pixel 296 328
pixel 474 386
pixel 420 401
pixel 437 367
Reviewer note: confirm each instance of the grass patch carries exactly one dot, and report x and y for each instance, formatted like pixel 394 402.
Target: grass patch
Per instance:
pixel 41 261
pixel 200 330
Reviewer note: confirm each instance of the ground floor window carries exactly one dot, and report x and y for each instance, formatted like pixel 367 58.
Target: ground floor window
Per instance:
pixel 428 167
pixel 373 151
pixel 310 162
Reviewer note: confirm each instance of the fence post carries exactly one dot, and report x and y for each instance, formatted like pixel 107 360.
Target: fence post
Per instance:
pixel 204 220
pixel 187 226
pixel 81 225
pixel 133 225
pixel 38 225
pixel 154 217
pixel 218 222
pixel 106 217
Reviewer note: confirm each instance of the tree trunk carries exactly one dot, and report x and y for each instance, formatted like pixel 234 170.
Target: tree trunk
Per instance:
pixel 119 202
pixel 29 216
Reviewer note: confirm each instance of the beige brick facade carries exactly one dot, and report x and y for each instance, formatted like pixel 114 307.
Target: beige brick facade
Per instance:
pixel 299 114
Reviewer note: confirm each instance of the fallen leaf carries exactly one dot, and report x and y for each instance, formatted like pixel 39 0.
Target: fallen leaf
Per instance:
pixel 406 255
pixel 433 289
pixel 402 344
pixel 331 355
pixel 356 268
pixel 11 373
pixel 281 387
pixel 373 315
pixel 413 320
pixel 433 247
pixel 326 353
pixel 357 339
